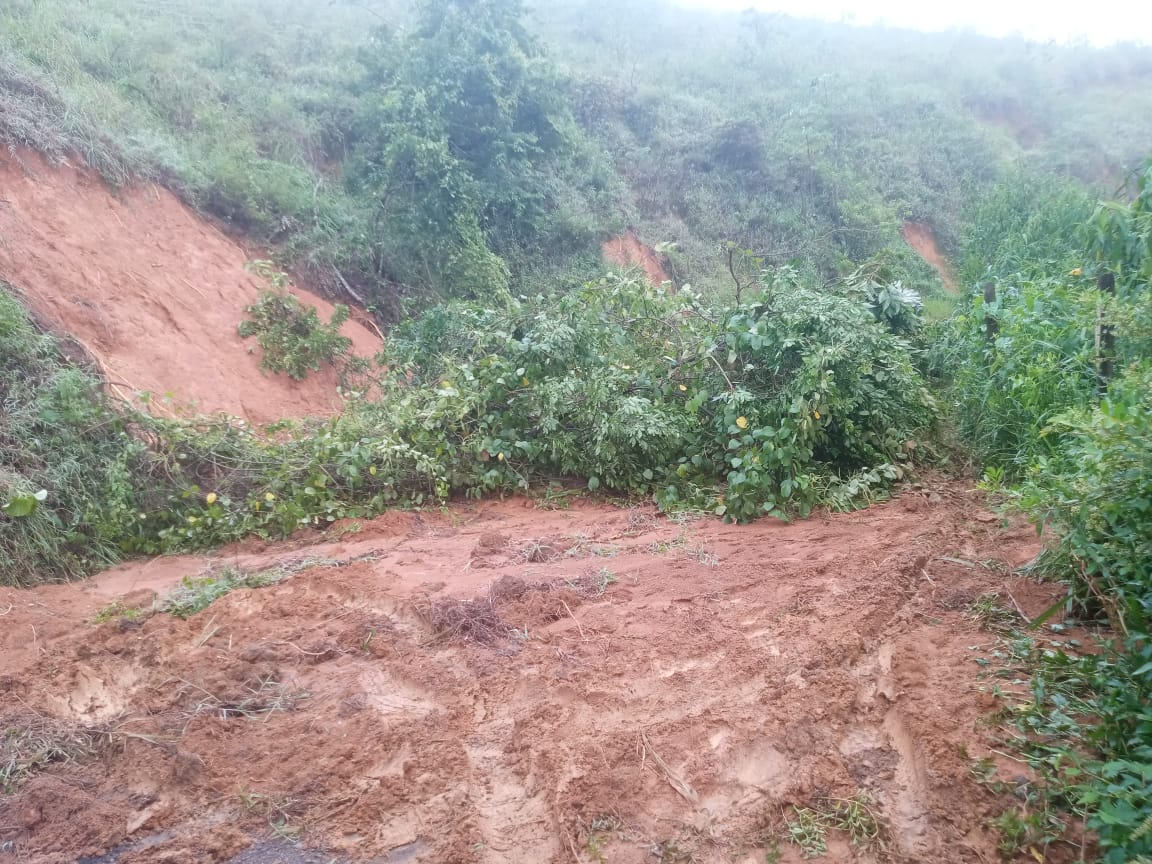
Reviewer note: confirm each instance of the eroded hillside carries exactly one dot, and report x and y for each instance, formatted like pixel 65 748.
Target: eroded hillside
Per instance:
pixel 151 291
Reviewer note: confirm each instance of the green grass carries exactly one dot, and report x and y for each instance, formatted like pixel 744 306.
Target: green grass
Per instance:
pixel 807 828
pixel 197 593
pixel 67 460
pixel 117 611
pixel 257 111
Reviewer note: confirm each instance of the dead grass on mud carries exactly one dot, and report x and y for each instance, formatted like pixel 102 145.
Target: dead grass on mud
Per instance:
pixel 30 742
pixel 478 620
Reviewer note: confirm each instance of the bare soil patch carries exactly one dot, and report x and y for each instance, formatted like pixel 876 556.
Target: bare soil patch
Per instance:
pixel 629 251
pixel 923 241
pixel 428 689
pixel 150 290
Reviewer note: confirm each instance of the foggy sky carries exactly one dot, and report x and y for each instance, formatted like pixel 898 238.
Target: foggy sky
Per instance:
pixel 1101 22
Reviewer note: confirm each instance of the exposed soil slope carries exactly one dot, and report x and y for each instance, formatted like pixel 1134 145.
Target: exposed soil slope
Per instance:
pixel 151 290
pixel 923 241
pixel 629 251
pixel 622 688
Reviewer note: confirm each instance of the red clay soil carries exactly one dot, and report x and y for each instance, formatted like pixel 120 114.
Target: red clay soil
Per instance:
pixel 151 290
pixel 923 241
pixel 629 252
pixel 507 685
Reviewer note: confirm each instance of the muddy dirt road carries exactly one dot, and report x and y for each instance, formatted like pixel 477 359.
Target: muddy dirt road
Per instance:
pixel 499 683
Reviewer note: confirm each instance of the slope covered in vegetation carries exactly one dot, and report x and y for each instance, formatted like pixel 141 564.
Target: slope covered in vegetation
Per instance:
pixel 390 152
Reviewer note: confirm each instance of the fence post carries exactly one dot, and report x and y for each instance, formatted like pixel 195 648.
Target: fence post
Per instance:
pixel 991 322
pixel 1105 334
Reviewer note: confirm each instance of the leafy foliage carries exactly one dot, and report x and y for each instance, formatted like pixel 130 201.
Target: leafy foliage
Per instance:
pixel 1039 362
pixel 793 398
pixel 1033 394
pixel 66 459
pixel 796 398
pixel 293 338
pixel 637 391
pixel 461 125
pixel 1025 227
pixel 1121 234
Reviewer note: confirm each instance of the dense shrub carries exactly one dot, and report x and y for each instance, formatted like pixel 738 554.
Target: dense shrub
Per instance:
pixel 777 400
pixel 67 462
pixel 1007 384
pixel 1032 395
pixel 292 337
pixel 794 398
pixel 1092 715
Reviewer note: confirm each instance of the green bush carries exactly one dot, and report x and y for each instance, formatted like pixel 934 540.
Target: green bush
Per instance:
pixel 1039 361
pixel 1092 716
pixel 795 398
pixel 1030 395
pixel 1095 493
pixel 67 461
pixel 293 338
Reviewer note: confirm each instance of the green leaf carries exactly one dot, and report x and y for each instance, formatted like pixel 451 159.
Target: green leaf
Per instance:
pixel 22 506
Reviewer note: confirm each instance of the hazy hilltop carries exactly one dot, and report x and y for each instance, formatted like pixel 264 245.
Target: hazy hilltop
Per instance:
pixel 800 136
pixel 799 140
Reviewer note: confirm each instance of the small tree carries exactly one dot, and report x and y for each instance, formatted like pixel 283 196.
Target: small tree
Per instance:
pixel 465 120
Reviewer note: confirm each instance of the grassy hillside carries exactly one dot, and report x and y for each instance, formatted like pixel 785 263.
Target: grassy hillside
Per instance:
pixel 800 141
pixel 809 140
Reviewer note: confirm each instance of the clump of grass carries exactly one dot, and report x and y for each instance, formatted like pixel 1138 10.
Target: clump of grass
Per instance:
pixel 600 832
pixel 677 850
pixel 807 830
pixel 704 555
pixel 196 594
pixel 991 613
pixel 809 826
pixel 117 611
pixel 541 551
pixel 30 742
pixel 277 810
pixel 32 114
pixel 682 544
pixel 663 547
pixel 593 582
pixel 639 523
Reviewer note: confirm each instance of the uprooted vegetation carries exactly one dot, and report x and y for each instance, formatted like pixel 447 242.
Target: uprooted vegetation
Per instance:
pixel 292 338
pixel 791 399
pixel 478 619
pixel 31 742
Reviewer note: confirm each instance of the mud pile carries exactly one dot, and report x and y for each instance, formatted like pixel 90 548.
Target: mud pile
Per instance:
pixel 497 683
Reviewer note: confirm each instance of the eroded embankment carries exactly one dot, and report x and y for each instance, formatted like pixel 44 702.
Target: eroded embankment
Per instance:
pixel 150 290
